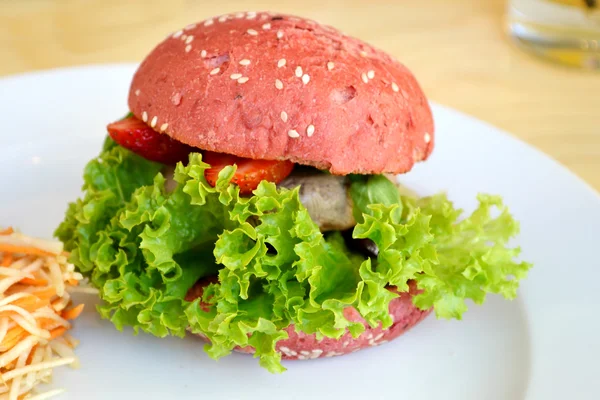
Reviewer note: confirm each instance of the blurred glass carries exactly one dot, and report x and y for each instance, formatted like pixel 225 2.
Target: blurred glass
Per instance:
pixel 565 31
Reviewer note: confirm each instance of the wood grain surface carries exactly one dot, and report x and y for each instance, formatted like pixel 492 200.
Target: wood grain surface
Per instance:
pixel 458 50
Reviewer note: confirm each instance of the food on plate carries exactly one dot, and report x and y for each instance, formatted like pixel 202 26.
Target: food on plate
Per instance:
pixel 35 313
pixel 247 198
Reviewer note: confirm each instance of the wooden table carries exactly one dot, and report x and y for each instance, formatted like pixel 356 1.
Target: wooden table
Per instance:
pixel 457 49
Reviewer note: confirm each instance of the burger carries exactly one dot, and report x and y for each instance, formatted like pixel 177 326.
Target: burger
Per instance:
pixel 250 197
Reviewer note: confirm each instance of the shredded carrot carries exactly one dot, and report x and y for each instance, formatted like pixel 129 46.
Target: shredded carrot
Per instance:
pixel 54 333
pixel 31 353
pixel 55 303
pixel 72 313
pixel 33 301
pixel 73 282
pixel 6 231
pixel 34 251
pixel 34 282
pixel 25 301
pixel 7 259
pixel 13 336
pixel 45 294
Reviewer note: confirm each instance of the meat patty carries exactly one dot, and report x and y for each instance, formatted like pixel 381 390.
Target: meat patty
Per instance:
pixel 326 198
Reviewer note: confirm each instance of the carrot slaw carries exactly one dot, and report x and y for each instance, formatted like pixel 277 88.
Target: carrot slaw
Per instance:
pixel 35 314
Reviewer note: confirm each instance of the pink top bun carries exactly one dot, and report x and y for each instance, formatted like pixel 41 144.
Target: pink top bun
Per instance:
pixel 271 86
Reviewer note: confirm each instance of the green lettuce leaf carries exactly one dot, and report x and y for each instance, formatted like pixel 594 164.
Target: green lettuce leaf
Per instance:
pixel 144 247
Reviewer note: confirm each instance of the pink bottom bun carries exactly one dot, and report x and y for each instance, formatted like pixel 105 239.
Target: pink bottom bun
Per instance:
pixel 302 346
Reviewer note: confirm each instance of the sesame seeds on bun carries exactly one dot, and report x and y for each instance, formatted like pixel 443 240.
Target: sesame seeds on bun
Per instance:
pixel 270 86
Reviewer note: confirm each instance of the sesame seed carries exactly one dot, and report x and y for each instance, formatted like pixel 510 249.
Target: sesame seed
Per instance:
pixel 363 53
pixel 305 352
pixel 284 349
pixel 364 77
pixel 252 32
pixel 183 37
pixel 371 74
pixel 188 48
pixel 331 354
pixel 264 16
pixel 177 34
pixel 164 127
pixel 310 130
pixel 266 26
pixel 330 65
pixel 208 22
pixel 223 18
pixel 299 71
pixel 305 78
pixel 154 121
pixel 251 15
pixel 293 134
pixel 369 335
pixel 427 137
pixel 137 92
pixel 235 76
pixel 278 84
pixel 281 63
pixel 301 357
pixel 145 116
pixel 279 34
pixel 190 26
pixel 203 53
pixel 345 344
pixel 378 336
pixel 395 87
pixel 239 15
pixel 318 352
pixel 189 39
pixel 284 116
pixel 383 342
pixel 245 61
pixel 371 342
pixel 215 71
pixel 243 79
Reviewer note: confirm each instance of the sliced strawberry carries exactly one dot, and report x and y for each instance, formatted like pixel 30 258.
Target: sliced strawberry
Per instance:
pixel 135 135
pixel 249 172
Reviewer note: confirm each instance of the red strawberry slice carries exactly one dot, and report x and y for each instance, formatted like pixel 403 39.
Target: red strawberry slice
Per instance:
pixel 249 172
pixel 135 135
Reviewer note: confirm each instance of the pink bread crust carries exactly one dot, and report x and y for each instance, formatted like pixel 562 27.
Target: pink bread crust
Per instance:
pixel 230 84
pixel 301 346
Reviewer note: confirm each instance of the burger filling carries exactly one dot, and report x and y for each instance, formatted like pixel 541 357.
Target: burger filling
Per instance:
pixel 286 244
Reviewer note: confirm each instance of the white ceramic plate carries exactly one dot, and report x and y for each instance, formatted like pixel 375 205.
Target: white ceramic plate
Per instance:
pixel 542 346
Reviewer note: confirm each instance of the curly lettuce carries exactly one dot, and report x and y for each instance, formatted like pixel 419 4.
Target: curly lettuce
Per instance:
pixel 144 247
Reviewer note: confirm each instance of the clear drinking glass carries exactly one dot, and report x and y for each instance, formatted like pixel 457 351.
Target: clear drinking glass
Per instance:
pixel 566 31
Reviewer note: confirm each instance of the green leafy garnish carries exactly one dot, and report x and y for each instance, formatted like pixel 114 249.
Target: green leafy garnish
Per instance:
pixel 144 247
